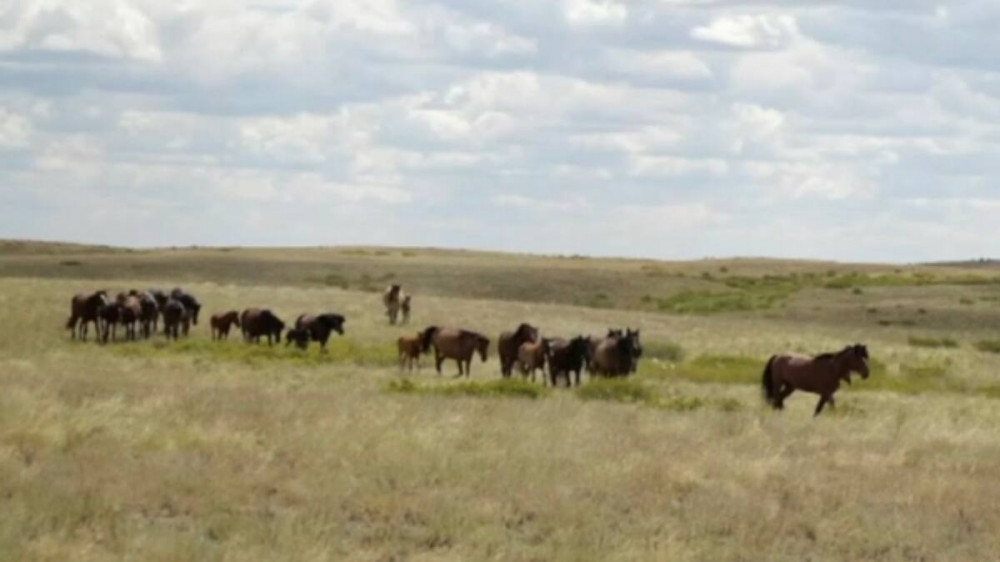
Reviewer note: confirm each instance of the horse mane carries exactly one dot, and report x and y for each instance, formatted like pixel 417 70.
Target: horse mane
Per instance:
pixel 426 336
pixel 523 329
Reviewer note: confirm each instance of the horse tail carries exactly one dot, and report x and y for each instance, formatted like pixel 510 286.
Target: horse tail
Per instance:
pixel 426 337
pixel 767 383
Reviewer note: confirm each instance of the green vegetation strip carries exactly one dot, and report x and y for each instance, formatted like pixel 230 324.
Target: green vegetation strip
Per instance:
pixel 511 388
pixel 339 350
pixel 932 342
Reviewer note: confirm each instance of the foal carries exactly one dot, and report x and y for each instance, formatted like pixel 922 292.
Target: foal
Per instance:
pixel 221 324
pixel 409 351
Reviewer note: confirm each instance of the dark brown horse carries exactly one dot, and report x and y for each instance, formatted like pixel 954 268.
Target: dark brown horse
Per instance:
pixel 509 343
pixel 149 315
pixel 784 374
pixel 531 357
pixel 220 324
pixel 299 337
pixel 190 303
pixel 390 300
pixel 459 345
pixel 320 326
pixel 176 319
pixel 85 309
pixel 567 357
pixel 614 356
pixel 110 315
pixel 256 322
pixel 409 349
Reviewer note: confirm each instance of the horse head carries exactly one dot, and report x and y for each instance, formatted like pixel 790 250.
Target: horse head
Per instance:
pixel 859 359
pixel 334 322
pixel 526 333
pixel 426 337
pixel 483 347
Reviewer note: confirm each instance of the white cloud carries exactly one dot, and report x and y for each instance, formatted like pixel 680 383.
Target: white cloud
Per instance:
pixel 750 30
pixel 595 12
pixel 15 130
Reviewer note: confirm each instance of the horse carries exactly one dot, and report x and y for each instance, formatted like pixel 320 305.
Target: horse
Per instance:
pixel 161 299
pixel 567 357
pixel 256 323
pixel 531 357
pixel 190 303
pixel 130 310
pixel 299 337
pixel 110 316
pixel 784 374
pixel 149 313
pixel 390 300
pixel 175 319
pixel 459 345
pixel 636 348
pixel 220 324
pixel 596 341
pixel 405 307
pixel 85 309
pixel 614 356
pixel 319 327
pixel 509 343
pixel 409 349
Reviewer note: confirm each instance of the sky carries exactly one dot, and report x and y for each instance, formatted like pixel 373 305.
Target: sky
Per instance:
pixel 853 130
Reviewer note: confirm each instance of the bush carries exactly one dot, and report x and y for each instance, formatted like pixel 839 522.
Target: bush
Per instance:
pixel 509 388
pixel 932 342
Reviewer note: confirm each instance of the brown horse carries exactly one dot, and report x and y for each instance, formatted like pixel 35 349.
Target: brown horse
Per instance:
pixel 110 316
pixel 149 314
pixel 299 337
pixel 222 323
pixel 256 323
pixel 567 357
pixel 176 319
pixel 784 374
pixel 405 307
pixel 531 357
pixel 509 343
pixel 320 326
pixel 130 311
pixel 190 303
pixel 409 348
pixel 390 300
pixel 459 345
pixel 614 356
pixel 85 309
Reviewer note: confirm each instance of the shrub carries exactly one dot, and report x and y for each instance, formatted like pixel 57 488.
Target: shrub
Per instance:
pixel 932 342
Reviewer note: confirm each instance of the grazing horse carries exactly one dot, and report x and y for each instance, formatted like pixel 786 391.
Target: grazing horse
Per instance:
pixel 784 374
pixel 221 323
pixel 319 327
pixel 614 356
pixel 568 357
pixel 299 337
pixel 175 319
pixel 390 299
pixel 510 342
pixel 409 351
pixel 531 357
pixel 150 312
pixel 85 309
pixel 459 345
pixel 190 303
pixel 405 307
pixel 256 323
pixel 130 311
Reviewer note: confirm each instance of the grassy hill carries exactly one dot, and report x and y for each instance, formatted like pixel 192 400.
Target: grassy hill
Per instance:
pixel 218 451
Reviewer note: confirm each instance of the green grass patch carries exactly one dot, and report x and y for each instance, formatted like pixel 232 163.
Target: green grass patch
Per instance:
pixel 933 343
pixel 618 390
pixel 723 369
pixel 988 346
pixel 502 388
pixel 663 351
pixel 709 302
pixel 339 351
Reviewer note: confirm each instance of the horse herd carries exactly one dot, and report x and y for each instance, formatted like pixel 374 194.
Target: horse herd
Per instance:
pixel 615 354
pixel 139 314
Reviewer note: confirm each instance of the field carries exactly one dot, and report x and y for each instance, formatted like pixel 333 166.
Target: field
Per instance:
pixel 203 451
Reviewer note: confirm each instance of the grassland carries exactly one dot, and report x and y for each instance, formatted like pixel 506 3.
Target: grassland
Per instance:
pixel 221 451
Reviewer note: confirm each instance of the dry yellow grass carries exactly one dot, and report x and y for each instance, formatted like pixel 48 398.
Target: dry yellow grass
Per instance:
pixel 149 455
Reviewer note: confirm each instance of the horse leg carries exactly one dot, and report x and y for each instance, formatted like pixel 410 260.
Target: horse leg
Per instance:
pixel 438 360
pixel 822 402
pixel 783 392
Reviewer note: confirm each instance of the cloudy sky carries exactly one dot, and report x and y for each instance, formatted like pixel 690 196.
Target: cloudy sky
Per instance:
pixel 854 130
